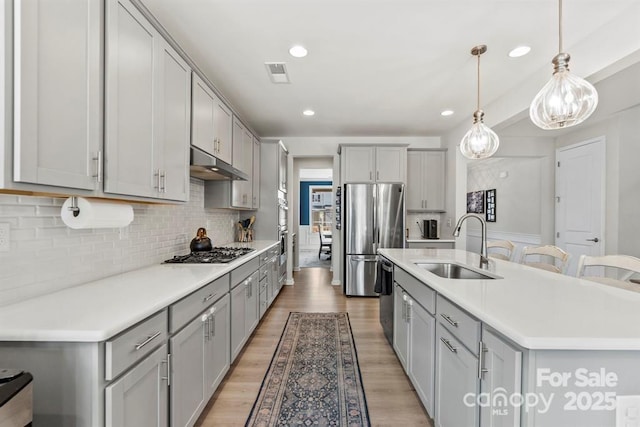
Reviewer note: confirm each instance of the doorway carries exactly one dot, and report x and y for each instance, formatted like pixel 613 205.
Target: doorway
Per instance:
pixel 315 217
pixel 580 200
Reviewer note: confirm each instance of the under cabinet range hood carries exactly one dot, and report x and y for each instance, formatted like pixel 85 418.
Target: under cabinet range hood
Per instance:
pixel 210 168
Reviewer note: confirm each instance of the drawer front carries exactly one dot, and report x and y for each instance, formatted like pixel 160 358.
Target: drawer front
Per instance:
pixel 264 271
pixel 423 294
pixel 275 251
pixel 459 323
pixel 192 305
pixel 264 257
pixel 135 343
pixel 245 270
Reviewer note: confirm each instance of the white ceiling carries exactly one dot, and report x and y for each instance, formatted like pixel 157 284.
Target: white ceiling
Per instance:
pixel 388 67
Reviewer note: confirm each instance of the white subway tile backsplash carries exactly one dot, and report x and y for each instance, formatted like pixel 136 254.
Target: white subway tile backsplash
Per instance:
pixel 45 255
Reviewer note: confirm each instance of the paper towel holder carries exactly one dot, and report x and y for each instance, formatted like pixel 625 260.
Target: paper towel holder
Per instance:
pixel 74 206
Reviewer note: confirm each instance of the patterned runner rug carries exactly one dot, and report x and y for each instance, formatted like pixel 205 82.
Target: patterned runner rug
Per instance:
pixel 314 377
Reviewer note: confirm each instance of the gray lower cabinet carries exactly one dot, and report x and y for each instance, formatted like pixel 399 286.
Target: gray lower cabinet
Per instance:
pixel 400 325
pixel 414 338
pixel 244 308
pixel 456 375
pixel 199 361
pixel 139 397
pixel 501 374
pixel 421 353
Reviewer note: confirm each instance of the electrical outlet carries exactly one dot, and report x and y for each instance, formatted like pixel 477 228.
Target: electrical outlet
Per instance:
pixel 5 236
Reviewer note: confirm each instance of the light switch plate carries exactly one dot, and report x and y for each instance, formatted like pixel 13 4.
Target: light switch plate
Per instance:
pixel 628 411
pixel 5 236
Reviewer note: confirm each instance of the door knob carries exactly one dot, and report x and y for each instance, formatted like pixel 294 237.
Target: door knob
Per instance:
pixel 595 239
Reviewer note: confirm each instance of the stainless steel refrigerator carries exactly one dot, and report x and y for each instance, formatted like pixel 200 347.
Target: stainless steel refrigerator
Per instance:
pixel 373 219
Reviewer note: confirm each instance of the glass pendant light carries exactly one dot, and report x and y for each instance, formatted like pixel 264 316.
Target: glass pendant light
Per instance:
pixel 566 100
pixel 480 141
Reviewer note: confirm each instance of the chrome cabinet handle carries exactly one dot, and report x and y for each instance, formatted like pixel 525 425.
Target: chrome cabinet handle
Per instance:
pixel 168 377
pixel 98 159
pixel 212 328
pixel 377 174
pixel 449 320
pixel 451 348
pixel 147 341
pixel 409 308
pixel 481 352
pixel 163 181
pixel 595 239
pixel 208 297
pixel 205 320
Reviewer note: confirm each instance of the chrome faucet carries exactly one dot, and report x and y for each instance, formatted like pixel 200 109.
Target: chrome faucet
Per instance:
pixel 484 261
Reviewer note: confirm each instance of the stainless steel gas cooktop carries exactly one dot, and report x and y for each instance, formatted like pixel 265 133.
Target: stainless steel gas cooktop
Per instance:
pixel 217 255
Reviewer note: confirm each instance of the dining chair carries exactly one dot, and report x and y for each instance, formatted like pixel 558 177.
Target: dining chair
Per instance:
pixel 621 267
pixel 325 242
pixel 501 249
pixel 547 257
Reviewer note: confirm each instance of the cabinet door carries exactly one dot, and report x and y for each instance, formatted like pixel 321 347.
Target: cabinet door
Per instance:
pixel 252 293
pixel 358 164
pixel 57 93
pixel 282 169
pixel 189 361
pixel 503 365
pixel 174 123
pixel 421 356
pixel 391 164
pixel 139 397
pixel 237 136
pixel 456 375
pixel 238 318
pixel 202 113
pixel 400 326
pixel 434 180
pixel 222 128
pixel 218 348
pixel 255 176
pixel 415 182
pixel 241 190
pixel 129 121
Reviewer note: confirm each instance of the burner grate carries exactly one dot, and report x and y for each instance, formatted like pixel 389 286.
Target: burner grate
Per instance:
pixel 217 255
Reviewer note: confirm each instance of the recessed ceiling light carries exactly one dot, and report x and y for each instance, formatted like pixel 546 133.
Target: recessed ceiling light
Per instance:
pixel 308 112
pixel 446 113
pixel 519 51
pixel 298 51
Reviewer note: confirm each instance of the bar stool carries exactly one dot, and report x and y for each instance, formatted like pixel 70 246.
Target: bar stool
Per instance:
pixel 504 249
pixel 624 267
pixel 559 258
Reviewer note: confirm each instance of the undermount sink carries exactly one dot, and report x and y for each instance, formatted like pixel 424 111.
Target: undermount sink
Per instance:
pixel 450 270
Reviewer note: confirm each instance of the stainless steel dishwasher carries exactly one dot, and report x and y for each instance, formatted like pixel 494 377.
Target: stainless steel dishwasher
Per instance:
pixel 385 285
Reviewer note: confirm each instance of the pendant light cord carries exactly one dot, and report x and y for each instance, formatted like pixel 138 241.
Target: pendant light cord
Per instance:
pixel 559 26
pixel 478 103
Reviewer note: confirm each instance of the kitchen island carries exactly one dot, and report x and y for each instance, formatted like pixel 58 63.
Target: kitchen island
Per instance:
pixel 521 346
pixel 124 349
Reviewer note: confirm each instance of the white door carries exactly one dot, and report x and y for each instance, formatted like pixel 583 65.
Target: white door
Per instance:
pixel 580 200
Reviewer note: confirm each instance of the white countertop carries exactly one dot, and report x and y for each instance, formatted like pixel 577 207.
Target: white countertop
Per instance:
pixel 536 309
pixel 101 309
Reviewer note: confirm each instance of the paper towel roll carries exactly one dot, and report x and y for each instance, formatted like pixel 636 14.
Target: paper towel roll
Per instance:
pixel 96 214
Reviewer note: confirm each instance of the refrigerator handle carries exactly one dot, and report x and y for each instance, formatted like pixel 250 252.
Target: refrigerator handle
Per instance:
pixel 376 228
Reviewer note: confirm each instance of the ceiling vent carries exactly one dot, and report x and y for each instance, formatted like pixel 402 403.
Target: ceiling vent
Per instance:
pixel 277 72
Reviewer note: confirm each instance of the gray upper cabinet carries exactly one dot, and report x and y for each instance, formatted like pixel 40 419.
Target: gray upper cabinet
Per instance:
pixel 426 180
pixel 373 164
pixel 58 93
pixel 212 122
pixel 255 175
pixel 174 125
pixel 241 191
pixel 147 109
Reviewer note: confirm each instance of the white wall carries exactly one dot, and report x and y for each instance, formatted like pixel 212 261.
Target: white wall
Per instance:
pixel 46 255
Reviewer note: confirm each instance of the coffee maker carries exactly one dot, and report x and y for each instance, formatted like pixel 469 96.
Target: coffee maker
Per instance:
pixel 430 229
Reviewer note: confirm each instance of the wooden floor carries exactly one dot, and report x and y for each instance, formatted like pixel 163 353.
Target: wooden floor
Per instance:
pixel 390 396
